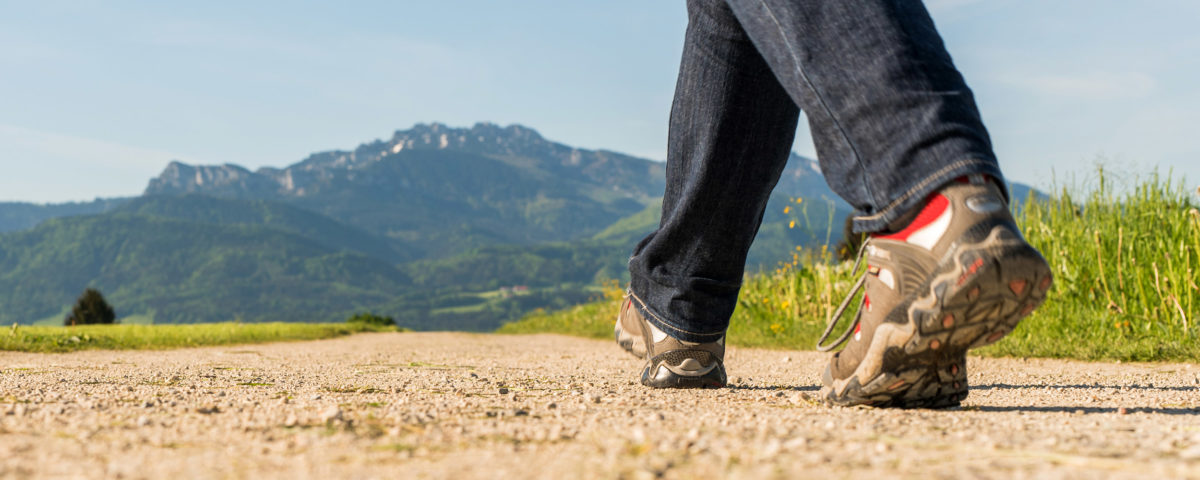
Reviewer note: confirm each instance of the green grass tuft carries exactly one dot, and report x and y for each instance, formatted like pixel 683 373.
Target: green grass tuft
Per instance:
pixel 159 337
pixel 1125 265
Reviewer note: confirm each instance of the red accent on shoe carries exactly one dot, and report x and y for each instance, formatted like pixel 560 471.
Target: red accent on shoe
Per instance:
pixel 867 302
pixel 937 204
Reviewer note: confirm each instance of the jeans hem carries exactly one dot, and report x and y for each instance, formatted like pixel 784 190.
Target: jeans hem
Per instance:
pixel 670 327
pixel 916 195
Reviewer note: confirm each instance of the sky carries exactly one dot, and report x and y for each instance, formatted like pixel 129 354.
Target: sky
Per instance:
pixel 96 97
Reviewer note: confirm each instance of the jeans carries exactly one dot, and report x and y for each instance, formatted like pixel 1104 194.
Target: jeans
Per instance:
pixel 892 119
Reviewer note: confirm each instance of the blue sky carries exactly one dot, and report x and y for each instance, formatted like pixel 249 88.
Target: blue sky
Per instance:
pixel 99 96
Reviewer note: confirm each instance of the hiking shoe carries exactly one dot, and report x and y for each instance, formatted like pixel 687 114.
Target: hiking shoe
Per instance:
pixel 959 276
pixel 628 330
pixel 670 363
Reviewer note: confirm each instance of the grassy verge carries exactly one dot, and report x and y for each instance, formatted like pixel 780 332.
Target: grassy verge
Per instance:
pixel 157 337
pixel 592 320
pixel 1126 268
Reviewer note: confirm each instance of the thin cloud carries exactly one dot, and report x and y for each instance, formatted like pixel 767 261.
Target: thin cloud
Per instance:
pixel 943 5
pixel 16 141
pixel 1089 86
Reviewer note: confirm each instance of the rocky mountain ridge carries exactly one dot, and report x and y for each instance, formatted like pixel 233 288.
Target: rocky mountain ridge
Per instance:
pixel 515 145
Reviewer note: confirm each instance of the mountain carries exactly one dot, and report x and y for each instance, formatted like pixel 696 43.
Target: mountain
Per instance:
pixel 444 190
pixel 16 216
pixel 326 231
pixel 441 228
pixel 183 272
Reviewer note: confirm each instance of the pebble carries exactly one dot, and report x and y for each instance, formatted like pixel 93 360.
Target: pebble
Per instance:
pixel 332 414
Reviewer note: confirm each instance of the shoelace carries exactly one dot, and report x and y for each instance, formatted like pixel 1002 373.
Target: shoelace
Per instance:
pixel 837 314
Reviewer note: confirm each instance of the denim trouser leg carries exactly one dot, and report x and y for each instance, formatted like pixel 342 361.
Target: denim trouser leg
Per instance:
pixel 891 117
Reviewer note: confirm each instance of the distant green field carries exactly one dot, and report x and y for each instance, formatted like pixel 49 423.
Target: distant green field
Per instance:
pixel 158 337
pixel 1126 269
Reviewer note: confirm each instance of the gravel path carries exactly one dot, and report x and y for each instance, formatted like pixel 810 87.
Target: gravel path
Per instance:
pixel 452 405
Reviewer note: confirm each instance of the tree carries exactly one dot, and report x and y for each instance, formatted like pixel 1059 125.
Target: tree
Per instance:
pixel 372 320
pixel 91 308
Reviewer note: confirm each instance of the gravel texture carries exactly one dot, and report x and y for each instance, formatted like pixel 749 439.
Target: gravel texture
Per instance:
pixel 453 405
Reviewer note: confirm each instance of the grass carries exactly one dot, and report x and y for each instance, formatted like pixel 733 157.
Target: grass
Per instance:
pixel 1125 261
pixel 592 320
pixel 159 337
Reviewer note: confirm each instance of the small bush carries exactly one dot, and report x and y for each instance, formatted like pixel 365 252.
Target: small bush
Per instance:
pixel 91 309
pixel 372 319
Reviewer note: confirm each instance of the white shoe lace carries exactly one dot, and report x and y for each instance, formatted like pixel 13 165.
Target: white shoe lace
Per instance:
pixel 841 310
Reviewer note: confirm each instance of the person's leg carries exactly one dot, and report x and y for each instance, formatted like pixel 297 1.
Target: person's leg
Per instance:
pixel 899 136
pixel 732 127
pixel 892 118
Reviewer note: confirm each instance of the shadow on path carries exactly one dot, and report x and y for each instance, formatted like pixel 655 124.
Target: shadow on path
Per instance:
pixel 1085 410
pixel 1053 386
pixel 801 388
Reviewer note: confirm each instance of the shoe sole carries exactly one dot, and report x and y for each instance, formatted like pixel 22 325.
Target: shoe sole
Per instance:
pixel 665 377
pixel 974 299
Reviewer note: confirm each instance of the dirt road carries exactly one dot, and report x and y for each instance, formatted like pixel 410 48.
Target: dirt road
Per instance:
pixel 449 405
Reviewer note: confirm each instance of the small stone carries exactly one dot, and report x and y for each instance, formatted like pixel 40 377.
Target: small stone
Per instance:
pixel 208 410
pixel 552 406
pixel 595 398
pixel 143 421
pixel 291 421
pixel 520 412
pixel 503 391
pixel 333 414
pixel 796 443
